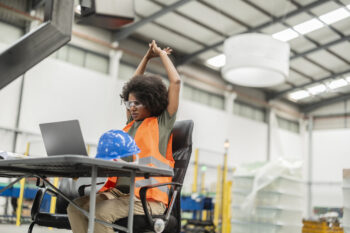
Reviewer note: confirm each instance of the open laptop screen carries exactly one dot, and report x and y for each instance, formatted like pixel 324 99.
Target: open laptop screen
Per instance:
pixel 62 138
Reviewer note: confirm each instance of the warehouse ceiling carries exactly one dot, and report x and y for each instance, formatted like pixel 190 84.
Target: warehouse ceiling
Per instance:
pixel 317 31
pixel 319 58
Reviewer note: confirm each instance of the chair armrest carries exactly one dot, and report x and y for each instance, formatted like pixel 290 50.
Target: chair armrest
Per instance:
pixel 81 189
pixel 37 202
pixel 143 192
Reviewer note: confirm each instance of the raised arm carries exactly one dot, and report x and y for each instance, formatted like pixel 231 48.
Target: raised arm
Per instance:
pixel 174 78
pixel 142 66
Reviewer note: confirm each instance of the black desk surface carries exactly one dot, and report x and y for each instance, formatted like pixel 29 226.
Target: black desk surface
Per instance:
pixel 74 166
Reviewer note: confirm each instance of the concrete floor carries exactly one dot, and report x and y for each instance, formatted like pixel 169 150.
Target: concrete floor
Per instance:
pixel 11 228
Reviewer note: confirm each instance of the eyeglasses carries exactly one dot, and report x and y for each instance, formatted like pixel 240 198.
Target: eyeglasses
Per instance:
pixel 135 103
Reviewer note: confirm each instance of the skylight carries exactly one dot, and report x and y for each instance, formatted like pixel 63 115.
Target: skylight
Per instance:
pixel 217 61
pixel 298 95
pixel 317 89
pixel 337 83
pixel 308 26
pixel 335 16
pixel 285 35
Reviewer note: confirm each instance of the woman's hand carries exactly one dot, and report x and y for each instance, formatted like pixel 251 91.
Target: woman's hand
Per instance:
pixel 155 51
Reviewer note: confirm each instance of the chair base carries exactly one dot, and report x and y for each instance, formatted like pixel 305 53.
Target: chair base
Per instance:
pixel 30 229
pixel 141 224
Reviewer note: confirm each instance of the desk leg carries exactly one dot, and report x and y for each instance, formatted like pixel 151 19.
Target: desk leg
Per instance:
pixel 131 202
pixel 11 184
pixel 92 200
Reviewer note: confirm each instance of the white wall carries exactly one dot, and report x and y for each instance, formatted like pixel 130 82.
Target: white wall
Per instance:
pixel 331 152
pixel 9 96
pixel 248 140
pixel 58 91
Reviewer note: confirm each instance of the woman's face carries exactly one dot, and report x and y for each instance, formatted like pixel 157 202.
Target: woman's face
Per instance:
pixel 137 110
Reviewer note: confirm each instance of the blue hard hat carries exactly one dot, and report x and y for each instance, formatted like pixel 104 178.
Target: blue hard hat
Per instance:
pixel 116 144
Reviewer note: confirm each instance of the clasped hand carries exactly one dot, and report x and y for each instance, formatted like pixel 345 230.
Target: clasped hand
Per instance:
pixel 155 51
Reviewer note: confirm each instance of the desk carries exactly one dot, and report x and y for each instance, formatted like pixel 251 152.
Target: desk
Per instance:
pixel 79 166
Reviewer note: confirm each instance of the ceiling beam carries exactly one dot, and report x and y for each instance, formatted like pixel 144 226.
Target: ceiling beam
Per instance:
pixel 336 31
pixel 193 39
pixel 324 46
pixel 125 32
pixel 282 93
pixel 193 20
pixel 333 29
pixel 303 54
pixel 313 106
pixel 190 57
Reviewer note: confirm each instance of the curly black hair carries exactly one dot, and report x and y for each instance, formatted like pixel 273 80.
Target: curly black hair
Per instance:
pixel 149 90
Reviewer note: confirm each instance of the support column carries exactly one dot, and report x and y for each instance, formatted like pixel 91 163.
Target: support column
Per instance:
pixel 114 61
pixel 269 134
pixel 229 101
pixel 310 166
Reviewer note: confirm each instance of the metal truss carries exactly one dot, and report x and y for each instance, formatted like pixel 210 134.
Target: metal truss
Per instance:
pixel 37 45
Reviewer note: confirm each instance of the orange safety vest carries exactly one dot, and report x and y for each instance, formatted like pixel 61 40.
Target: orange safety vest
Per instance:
pixel 147 139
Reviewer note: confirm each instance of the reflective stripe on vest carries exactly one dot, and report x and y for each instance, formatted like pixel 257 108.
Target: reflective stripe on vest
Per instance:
pixel 157 163
pixel 150 181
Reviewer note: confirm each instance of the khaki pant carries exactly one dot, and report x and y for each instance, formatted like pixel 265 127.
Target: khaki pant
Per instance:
pixel 109 208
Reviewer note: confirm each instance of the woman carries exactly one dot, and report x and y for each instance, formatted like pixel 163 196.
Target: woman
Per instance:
pixel 151 112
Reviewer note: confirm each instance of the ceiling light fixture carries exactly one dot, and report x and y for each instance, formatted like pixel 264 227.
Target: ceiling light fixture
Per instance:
pixel 348 79
pixel 317 89
pixel 285 35
pixel 298 95
pixel 335 16
pixel 217 61
pixel 337 83
pixel 256 60
pixel 308 26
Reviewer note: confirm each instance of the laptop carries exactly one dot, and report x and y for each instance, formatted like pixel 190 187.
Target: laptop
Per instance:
pixel 62 138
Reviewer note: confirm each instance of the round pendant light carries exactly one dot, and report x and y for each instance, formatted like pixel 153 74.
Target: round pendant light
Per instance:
pixel 256 60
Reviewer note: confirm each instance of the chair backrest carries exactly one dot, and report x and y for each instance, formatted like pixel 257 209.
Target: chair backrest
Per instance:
pixel 182 148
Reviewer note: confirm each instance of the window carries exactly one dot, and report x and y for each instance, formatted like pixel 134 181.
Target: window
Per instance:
pixel 203 97
pixel 217 101
pixel 84 58
pixel 76 56
pixel 289 125
pixel 249 111
pixel 96 62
